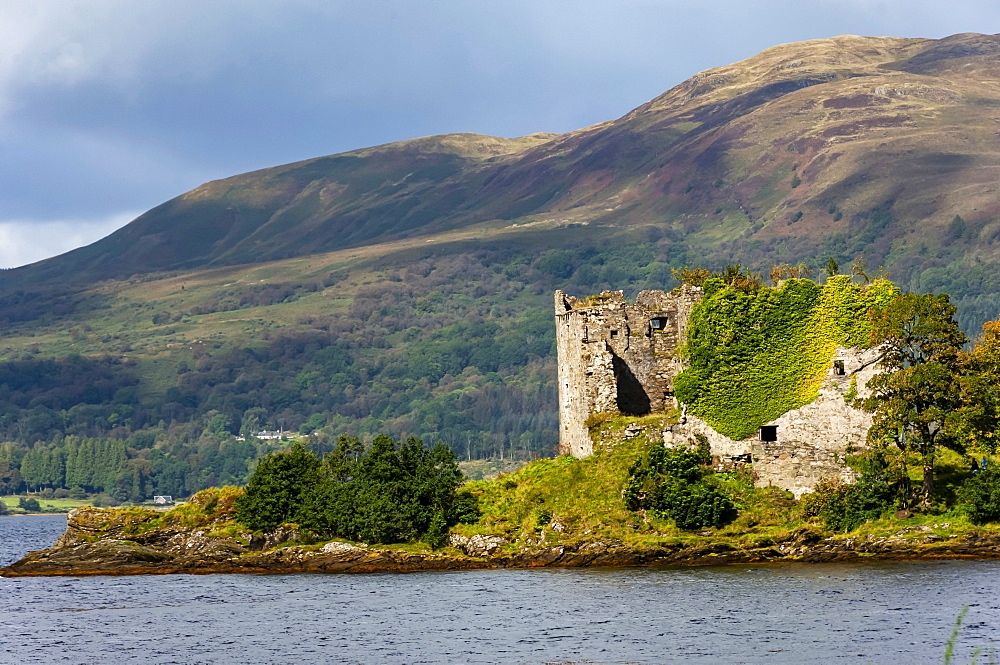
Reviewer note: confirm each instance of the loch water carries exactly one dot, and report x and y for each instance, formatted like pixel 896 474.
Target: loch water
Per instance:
pixel 789 613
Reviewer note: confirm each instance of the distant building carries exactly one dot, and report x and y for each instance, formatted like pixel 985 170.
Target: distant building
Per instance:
pixel 163 500
pixel 266 435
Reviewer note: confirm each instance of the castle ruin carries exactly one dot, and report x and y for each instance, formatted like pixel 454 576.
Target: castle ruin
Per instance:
pixel 620 357
pixel 615 356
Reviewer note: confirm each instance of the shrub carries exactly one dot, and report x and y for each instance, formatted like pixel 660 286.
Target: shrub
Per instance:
pixel 842 507
pixel 103 500
pixel 466 509
pixel 979 497
pixel 3 508
pixel 693 505
pixel 437 531
pixel 597 419
pixel 670 482
pixel 29 504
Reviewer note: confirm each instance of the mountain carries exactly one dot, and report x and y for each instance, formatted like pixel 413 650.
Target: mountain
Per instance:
pixel 406 288
pixel 860 145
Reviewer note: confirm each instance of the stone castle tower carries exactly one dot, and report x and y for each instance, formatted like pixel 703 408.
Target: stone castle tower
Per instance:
pixel 615 356
pixel 619 357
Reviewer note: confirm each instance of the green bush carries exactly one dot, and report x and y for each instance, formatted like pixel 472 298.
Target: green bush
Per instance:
pixel 29 504
pixel 693 505
pixel 437 531
pixel 466 508
pixel 842 507
pixel 670 482
pixel 979 496
pixel 647 472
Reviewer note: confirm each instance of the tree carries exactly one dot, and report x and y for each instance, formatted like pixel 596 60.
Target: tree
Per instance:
pixel 217 426
pixel 692 276
pixel 860 269
pixel 274 493
pixel 915 401
pixel 391 493
pixel 979 416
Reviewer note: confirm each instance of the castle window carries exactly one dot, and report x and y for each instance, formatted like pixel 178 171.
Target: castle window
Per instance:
pixel 769 433
pixel 838 368
pixel 658 323
pixel 614 333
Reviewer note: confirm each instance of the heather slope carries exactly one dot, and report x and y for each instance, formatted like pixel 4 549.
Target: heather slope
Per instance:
pixel 855 144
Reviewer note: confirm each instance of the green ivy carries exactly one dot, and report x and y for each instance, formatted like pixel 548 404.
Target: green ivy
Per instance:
pixel 757 354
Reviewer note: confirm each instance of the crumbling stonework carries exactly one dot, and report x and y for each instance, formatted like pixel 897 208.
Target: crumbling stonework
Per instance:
pixel 811 441
pixel 619 357
pixel 616 356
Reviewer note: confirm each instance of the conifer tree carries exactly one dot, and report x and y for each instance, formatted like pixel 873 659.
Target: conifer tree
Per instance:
pixel 274 493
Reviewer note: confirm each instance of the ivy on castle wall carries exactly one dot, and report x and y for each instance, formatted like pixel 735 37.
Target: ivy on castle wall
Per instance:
pixel 757 354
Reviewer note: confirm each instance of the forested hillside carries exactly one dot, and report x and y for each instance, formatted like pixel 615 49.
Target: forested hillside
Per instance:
pixel 456 348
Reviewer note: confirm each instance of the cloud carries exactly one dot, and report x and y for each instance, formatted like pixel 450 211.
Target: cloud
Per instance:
pixel 26 241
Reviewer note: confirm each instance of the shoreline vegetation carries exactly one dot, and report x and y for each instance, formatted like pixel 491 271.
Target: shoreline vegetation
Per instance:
pixel 562 512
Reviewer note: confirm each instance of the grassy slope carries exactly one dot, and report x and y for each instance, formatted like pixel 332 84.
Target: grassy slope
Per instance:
pixel 123 321
pixel 858 123
pixel 584 496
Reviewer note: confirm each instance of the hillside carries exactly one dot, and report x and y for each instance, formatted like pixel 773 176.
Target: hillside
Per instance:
pixel 406 288
pixel 878 142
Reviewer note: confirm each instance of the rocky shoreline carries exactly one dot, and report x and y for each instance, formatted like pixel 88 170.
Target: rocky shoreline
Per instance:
pixel 115 542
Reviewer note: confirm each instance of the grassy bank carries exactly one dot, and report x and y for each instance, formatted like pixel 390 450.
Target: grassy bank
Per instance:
pixel 573 502
pixel 53 505
pixel 567 500
pixel 45 505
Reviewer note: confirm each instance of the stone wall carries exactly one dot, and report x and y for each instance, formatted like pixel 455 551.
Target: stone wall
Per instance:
pixel 616 356
pixel 811 441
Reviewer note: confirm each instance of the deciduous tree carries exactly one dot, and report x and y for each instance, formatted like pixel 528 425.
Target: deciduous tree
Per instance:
pixel 916 399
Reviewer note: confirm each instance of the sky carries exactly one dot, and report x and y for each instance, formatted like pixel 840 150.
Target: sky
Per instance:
pixel 111 107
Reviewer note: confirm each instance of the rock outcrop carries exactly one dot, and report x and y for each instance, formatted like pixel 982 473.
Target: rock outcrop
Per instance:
pixel 115 542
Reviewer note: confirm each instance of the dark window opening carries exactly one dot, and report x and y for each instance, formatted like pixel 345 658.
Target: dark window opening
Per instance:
pixel 614 333
pixel 659 323
pixel 769 433
pixel 838 368
pixel 631 398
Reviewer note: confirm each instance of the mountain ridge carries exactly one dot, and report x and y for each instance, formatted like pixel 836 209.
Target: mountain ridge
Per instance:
pixel 849 124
